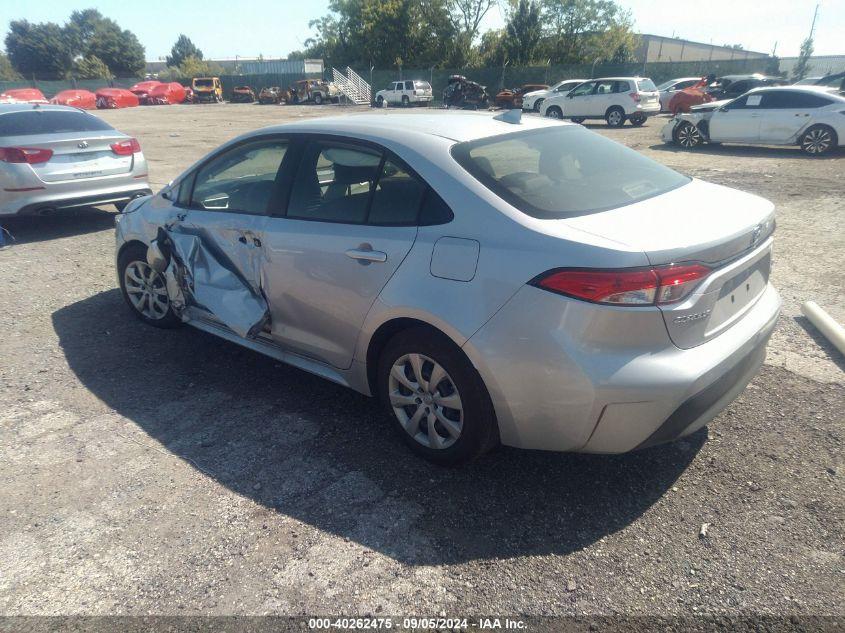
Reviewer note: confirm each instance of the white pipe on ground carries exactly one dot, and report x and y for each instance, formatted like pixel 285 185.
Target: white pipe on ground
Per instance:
pixel 825 324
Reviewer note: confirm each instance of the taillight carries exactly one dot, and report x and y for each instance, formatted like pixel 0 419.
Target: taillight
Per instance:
pixel 632 286
pixel 635 96
pixel 127 147
pixel 31 155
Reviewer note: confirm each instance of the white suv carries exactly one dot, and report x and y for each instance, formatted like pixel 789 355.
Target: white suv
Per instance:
pixel 614 99
pixel 405 93
pixel 532 101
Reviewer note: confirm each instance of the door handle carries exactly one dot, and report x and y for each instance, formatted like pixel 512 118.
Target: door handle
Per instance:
pixel 366 256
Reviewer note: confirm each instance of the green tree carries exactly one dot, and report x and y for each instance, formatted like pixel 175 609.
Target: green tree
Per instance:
pixel 39 50
pixel 196 67
pixel 804 55
pixel 491 50
pixel 522 33
pixel 119 49
pixel 7 72
pixel 80 29
pixel 575 29
pixel 91 67
pixel 182 49
pixel 466 16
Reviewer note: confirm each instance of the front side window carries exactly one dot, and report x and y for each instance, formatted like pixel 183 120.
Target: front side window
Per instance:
pixel 333 183
pixel 583 89
pixel 241 180
pixel 31 122
pixel 561 171
pixel 745 102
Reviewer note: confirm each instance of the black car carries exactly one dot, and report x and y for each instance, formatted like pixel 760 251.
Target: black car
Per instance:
pixel 732 86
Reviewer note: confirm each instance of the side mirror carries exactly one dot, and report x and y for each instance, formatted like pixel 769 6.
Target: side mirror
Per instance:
pixel 570 96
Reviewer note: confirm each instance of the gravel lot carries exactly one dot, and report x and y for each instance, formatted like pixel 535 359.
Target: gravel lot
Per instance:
pixel 151 472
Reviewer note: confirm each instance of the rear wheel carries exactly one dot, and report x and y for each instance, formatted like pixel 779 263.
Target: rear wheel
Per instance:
pixel 554 112
pixel 818 140
pixel 405 101
pixel 637 120
pixel 687 135
pixel 436 398
pixel 577 119
pixel 615 117
pixel 380 101
pixel 318 99
pixel 144 289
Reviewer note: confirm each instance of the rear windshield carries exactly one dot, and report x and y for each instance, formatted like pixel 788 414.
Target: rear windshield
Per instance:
pixel 564 171
pixel 646 85
pixel 203 82
pixel 49 122
pixel 423 85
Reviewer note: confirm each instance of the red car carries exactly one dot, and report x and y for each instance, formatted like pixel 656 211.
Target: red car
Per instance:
pixel 23 95
pixel 682 100
pixel 166 94
pixel 109 98
pixel 142 89
pixel 84 99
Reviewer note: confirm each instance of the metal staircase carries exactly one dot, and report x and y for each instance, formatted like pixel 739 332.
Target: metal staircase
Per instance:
pixel 353 86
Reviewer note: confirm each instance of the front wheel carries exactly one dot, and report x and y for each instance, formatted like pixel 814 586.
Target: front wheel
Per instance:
pixel 144 289
pixel 436 397
pixel 554 112
pixel 380 102
pixel 577 119
pixel 818 140
pixel 687 135
pixel 637 120
pixel 318 99
pixel 405 101
pixel 615 117
pixel 537 104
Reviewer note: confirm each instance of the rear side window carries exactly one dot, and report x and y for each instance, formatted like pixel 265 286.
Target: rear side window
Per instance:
pixel 622 86
pixel 646 85
pixel 33 122
pixel 397 197
pixel 778 99
pixel 422 85
pixel 409 85
pixel 564 171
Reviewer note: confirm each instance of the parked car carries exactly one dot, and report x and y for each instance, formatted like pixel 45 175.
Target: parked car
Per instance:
pixel 732 86
pixel 271 94
pixel 23 95
pixel 460 92
pixel 112 98
pixel 166 94
pixel 534 100
pixel 58 157
pixel 614 99
pixel 142 89
pixel 684 100
pixel 512 97
pixel 84 99
pixel 314 91
pixel 806 116
pixel 668 89
pixel 207 89
pixel 243 94
pixel 405 92
pixel 487 280
pixel 835 82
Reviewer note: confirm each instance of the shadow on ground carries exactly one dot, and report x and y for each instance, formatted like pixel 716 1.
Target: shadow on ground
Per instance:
pixel 328 456
pixel 746 151
pixel 38 228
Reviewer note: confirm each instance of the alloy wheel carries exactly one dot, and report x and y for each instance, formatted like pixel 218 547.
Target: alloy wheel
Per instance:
pixel 689 136
pixel 554 113
pixel 817 141
pixel 146 290
pixel 426 401
pixel 614 118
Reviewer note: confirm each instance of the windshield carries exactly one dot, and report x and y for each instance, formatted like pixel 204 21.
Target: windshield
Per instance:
pixel 203 83
pixel 49 122
pixel 564 171
pixel 666 84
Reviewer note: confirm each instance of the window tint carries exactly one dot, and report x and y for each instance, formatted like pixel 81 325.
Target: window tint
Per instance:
pixel 434 210
pixel 409 85
pixel 605 87
pixel 561 171
pixel 397 85
pixel 686 84
pixel 333 183
pixel 397 197
pixel 745 102
pixel 788 99
pixel 50 122
pixel 583 89
pixel 241 180
pixel 622 86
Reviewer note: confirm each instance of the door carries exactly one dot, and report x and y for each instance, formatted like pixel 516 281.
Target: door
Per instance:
pixel 738 120
pixel 395 94
pixel 219 238
pixel 578 101
pixel 350 222
pixel 785 113
pixel 409 90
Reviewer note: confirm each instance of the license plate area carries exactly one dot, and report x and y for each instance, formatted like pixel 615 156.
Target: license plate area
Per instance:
pixel 739 292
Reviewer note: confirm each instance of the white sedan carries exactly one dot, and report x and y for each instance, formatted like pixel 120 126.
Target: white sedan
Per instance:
pixel 808 116
pixel 532 101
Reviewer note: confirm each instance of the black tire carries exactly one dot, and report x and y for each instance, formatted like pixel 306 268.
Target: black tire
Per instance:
pixel 479 432
pixel 637 120
pixel 577 119
pixel 318 99
pixel 554 112
pixel 405 101
pixel 818 140
pixel 133 253
pixel 538 104
pixel 687 136
pixel 615 116
pixel 380 101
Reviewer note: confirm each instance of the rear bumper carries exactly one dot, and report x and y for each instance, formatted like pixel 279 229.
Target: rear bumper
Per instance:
pixel 566 375
pixel 34 202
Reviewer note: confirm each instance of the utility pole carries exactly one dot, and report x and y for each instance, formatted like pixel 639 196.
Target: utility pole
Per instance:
pixel 813 25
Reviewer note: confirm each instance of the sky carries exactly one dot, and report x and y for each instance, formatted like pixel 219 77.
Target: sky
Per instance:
pixel 273 28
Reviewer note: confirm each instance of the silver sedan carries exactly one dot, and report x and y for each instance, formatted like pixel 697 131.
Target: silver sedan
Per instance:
pixel 491 280
pixel 58 157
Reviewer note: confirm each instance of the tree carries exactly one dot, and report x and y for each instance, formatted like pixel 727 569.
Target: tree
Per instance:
pixel 119 49
pixel 522 33
pixel 7 72
pixel 91 67
pixel 38 49
pixel 466 16
pixel 182 49
pixel 491 51
pixel 80 29
pixel 576 30
pixel 804 55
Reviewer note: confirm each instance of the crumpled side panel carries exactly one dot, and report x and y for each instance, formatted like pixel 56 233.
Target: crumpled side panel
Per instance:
pixel 197 275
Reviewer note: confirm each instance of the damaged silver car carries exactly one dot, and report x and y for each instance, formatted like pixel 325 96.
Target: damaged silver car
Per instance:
pixel 482 275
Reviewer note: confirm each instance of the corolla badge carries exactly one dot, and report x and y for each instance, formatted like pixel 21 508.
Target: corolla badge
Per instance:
pixel 82 145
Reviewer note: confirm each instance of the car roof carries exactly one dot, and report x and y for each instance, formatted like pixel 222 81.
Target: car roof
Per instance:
pixel 825 90
pixel 5 108
pixel 455 126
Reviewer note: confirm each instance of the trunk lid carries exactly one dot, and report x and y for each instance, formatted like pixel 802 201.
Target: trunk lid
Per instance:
pixel 76 156
pixel 726 229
